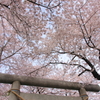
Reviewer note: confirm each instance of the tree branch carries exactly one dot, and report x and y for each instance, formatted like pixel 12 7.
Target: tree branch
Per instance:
pixel 12 54
pixel 7 6
pixel 2 49
pixel 93 71
pixel 34 2
pixel 95 74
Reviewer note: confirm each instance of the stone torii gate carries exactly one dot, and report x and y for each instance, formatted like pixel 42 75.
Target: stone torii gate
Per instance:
pixel 16 81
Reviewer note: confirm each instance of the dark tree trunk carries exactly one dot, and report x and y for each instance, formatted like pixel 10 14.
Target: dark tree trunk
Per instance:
pixel 95 74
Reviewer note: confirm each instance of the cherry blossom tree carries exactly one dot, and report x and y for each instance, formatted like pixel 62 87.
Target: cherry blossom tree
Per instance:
pixel 56 39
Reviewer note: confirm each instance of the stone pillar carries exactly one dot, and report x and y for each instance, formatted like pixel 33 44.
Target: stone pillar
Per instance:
pixel 16 88
pixel 83 94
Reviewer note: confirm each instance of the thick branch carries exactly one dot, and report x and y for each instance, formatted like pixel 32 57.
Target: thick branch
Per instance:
pixel 94 72
pixel 7 6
